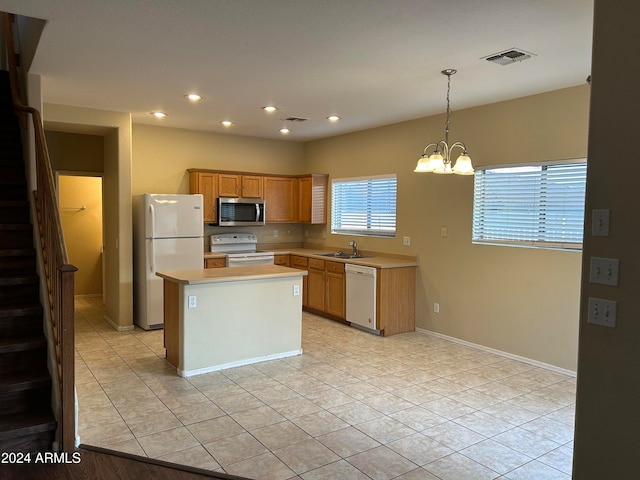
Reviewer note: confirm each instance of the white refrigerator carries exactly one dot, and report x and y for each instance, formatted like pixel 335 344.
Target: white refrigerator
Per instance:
pixel 168 235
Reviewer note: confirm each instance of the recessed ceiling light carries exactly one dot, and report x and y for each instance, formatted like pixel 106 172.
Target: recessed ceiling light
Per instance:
pixel 333 118
pixel 158 114
pixel 270 108
pixel 194 97
pixel 285 130
pixel 226 123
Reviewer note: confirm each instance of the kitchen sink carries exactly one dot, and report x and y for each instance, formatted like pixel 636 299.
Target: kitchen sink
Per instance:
pixel 342 255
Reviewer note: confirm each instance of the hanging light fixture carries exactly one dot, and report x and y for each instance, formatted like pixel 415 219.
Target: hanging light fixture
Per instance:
pixel 440 160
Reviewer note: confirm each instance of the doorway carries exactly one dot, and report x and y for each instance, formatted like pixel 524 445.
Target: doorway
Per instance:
pixel 80 204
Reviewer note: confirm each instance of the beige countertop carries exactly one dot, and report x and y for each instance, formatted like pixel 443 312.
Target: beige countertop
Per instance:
pixel 237 274
pixel 373 260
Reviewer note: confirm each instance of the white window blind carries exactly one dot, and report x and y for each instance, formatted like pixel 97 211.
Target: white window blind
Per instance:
pixel 364 205
pixel 537 205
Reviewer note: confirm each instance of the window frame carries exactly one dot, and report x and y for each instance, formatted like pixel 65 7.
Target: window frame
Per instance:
pixel 543 227
pixel 385 228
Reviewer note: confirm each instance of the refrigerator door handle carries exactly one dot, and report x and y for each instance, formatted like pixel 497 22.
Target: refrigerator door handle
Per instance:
pixel 152 223
pixel 152 255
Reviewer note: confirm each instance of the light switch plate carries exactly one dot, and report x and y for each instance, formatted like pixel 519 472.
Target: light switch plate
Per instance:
pixel 602 312
pixel 604 271
pixel 600 223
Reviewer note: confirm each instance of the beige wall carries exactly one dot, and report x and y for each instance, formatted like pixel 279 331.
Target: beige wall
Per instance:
pixel 76 152
pixel 80 203
pixel 161 157
pixel 607 420
pixel 115 127
pixel 518 300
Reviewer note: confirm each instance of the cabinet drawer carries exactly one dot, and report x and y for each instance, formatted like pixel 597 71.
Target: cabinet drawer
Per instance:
pixel 317 264
pixel 281 260
pixel 214 262
pixel 335 267
pixel 298 261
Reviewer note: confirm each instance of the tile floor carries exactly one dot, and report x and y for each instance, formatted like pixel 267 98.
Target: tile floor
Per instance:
pixel 353 406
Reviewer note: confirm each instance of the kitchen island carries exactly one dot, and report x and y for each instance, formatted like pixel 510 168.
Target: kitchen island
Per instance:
pixel 226 317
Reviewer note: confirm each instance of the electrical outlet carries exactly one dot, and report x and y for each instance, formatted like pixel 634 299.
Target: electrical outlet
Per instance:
pixel 604 271
pixel 443 231
pixel 600 223
pixel 602 312
pixel 296 290
pixel 406 241
pixel 192 301
pixel 275 233
pixel 436 308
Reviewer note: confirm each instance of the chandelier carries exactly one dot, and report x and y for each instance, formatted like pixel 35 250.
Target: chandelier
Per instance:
pixel 440 160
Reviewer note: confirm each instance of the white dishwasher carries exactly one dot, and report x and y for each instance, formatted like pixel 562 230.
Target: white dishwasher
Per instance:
pixel 361 295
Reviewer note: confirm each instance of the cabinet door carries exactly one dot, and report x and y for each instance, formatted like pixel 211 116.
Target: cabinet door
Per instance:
pixel 316 287
pixel 206 183
pixel 252 186
pixel 228 185
pixel 334 301
pixel 312 199
pixel 304 200
pixel 335 289
pixel 279 199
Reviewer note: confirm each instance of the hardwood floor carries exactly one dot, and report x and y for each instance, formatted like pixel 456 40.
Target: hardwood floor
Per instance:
pixel 96 463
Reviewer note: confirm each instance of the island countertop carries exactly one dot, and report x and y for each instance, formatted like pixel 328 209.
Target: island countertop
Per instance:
pixel 235 274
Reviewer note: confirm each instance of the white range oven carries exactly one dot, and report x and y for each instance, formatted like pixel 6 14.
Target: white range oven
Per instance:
pixel 240 249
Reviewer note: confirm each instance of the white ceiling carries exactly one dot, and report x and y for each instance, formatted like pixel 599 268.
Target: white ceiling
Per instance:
pixel 373 62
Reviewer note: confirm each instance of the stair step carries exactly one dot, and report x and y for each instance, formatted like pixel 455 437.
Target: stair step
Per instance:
pixel 14 211
pixel 21 344
pixel 16 236
pixel 20 311
pixel 23 355
pixel 27 432
pixel 21 381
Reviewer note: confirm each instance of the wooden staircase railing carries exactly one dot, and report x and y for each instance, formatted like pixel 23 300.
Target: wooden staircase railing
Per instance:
pixel 58 271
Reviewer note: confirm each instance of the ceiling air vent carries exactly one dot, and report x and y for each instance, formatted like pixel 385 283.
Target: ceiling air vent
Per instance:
pixel 295 119
pixel 509 56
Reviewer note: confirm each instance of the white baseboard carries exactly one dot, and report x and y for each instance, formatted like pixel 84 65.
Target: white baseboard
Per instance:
pixel 511 356
pixel 240 363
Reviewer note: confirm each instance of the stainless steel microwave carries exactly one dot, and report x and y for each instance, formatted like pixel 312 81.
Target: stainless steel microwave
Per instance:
pixel 235 212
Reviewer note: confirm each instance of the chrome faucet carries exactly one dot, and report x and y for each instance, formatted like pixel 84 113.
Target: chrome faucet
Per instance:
pixel 355 247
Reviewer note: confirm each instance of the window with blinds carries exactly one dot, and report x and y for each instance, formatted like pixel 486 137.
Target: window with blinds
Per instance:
pixel 538 205
pixel 364 206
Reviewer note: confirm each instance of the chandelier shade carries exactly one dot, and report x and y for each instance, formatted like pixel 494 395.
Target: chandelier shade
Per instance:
pixel 439 161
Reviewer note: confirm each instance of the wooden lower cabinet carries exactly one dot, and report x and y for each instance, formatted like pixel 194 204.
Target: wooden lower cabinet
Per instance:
pixel 324 292
pixel 396 292
pixel 281 260
pixel 215 263
pixel 334 302
pixel 326 287
pixel 315 278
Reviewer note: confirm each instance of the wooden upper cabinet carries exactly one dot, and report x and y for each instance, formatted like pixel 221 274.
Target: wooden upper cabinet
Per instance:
pixel 206 183
pixel 280 199
pixel 233 185
pixel 312 199
pixel 228 185
pixel 288 199
pixel 252 186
